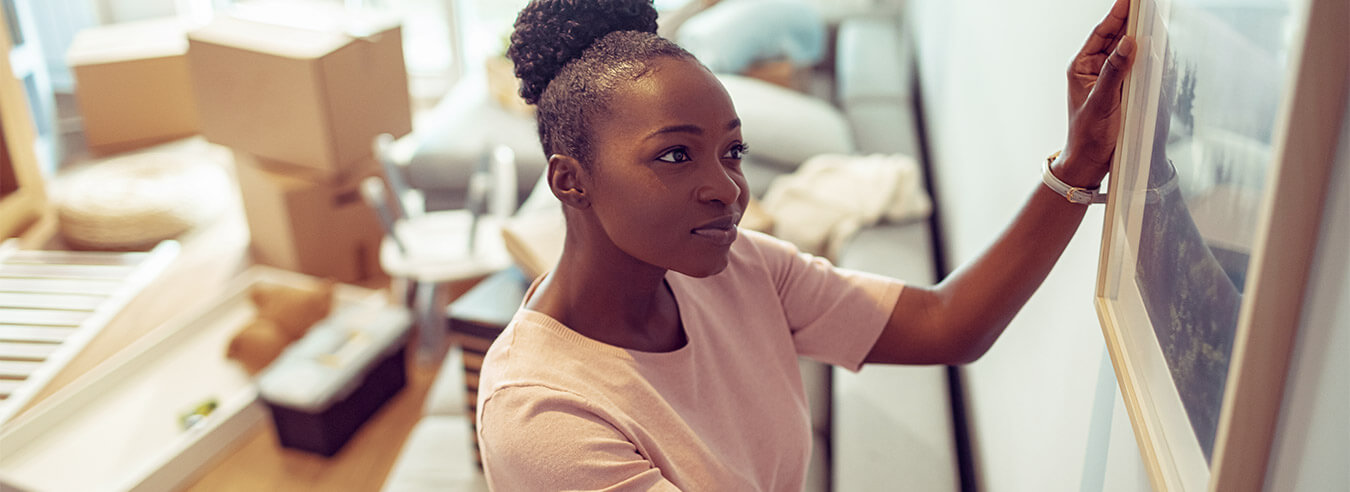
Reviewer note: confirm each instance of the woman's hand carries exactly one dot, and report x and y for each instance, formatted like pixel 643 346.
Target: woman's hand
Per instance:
pixel 1095 79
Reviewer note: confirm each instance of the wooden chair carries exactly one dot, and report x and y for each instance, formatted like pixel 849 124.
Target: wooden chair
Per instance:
pixel 424 251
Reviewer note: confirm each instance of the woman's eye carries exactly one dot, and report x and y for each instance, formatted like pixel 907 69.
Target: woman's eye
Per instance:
pixel 737 152
pixel 675 156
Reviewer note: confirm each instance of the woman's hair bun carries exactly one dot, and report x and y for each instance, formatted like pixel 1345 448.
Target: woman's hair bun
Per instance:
pixel 550 33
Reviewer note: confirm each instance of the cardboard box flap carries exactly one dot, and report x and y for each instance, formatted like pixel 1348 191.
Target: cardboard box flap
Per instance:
pixel 155 38
pixel 263 104
pixel 302 96
pixel 356 23
pixel 349 98
pixel 269 38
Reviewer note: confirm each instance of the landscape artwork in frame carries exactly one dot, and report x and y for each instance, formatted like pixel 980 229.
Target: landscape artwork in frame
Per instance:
pixel 1232 115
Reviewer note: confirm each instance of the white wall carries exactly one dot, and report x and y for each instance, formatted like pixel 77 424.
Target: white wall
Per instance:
pixel 993 75
pixel 1044 412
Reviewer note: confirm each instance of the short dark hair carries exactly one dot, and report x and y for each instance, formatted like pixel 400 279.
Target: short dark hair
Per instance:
pixel 569 56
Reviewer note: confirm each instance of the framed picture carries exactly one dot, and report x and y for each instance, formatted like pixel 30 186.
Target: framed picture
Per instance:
pixel 22 196
pixel 1232 114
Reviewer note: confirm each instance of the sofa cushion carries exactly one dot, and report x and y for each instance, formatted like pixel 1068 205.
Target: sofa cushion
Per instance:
pixel 870 62
pixel 883 129
pixel 903 251
pixel 784 127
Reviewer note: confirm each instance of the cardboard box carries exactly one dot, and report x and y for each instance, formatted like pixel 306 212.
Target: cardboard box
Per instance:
pixel 317 227
pixel 315 94
pixel 132 84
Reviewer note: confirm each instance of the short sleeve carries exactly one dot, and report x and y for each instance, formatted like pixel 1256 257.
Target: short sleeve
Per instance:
pixel 835 314
pixel 537 438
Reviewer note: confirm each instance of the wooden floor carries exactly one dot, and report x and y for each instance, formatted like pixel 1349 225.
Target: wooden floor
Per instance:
pixel 209 257
pixel 261 464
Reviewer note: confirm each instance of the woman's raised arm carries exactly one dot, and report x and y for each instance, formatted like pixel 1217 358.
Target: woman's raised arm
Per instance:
pixel 956 321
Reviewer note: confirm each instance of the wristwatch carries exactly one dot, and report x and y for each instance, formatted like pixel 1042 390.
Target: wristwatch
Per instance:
pixel 1074 194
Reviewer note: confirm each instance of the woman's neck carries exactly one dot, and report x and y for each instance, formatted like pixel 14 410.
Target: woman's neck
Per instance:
pixel 613 298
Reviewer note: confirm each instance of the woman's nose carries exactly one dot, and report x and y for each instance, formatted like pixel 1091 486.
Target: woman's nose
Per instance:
pixel 719 184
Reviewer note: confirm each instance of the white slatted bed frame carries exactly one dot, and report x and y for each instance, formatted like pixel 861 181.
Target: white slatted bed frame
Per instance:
pixel 53 302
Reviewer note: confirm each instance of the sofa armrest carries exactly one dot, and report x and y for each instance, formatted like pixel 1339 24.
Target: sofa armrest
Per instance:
pixel 873 72
pixel 452 139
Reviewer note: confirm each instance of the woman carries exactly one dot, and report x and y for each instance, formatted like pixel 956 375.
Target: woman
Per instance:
pixel 661 351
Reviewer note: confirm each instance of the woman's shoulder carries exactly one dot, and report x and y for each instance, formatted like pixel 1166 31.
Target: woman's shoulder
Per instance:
pixel 759 254
pixel 537 350
pixel 537 360
pixel 750 238
pixel 758 247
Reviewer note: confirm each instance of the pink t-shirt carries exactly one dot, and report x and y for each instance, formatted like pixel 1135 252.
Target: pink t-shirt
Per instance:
pixel 560 411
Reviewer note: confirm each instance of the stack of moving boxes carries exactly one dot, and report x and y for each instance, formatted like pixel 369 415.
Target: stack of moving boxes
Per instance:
pixel 300 106
pixel 133 84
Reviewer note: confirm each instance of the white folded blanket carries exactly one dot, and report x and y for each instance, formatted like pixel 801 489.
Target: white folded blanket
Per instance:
pixel 822 204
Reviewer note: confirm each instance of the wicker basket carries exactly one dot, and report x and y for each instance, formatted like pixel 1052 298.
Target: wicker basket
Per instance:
pixel 134 201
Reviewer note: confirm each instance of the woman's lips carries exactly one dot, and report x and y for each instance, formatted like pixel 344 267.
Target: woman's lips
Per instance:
pixel 721 232
pixel 719 236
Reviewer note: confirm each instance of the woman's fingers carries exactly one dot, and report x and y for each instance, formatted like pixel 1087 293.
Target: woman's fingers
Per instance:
pixel 1106 92
pixel 1095 80
pixel 1102 44
pixel 1095 125
pixel 1109 31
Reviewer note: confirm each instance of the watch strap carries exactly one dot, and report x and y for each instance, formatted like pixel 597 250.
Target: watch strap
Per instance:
pixel 1074 194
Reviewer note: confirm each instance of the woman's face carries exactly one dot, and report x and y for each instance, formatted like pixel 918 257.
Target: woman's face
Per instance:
pixel 666 182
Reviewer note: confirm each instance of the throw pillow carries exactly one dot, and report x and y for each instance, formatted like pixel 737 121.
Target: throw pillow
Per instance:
pixel 732 35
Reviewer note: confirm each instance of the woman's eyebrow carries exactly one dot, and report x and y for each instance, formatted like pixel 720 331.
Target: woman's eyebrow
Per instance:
pixel 694 129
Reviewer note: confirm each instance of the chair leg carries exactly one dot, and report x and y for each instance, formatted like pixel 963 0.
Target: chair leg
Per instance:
pixel 401 291
pixel 431 325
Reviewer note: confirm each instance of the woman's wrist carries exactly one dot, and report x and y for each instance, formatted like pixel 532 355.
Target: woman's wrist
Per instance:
pixel 1082 195
pixel 1070 169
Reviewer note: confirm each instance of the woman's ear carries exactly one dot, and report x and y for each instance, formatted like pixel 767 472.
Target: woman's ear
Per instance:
pixel 565 180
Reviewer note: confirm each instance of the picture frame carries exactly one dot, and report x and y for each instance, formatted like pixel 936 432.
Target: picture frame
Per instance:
pixel 22 191
pixel 1232 114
